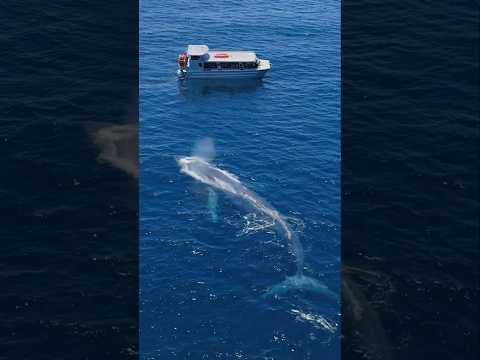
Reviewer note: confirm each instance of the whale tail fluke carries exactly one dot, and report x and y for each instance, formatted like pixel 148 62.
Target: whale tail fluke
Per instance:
pixel 301 283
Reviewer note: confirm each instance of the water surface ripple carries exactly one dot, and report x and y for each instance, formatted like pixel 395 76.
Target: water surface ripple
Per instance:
pixel 203 277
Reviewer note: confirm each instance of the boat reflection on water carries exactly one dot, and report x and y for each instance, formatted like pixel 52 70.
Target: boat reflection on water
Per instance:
pixel 206 87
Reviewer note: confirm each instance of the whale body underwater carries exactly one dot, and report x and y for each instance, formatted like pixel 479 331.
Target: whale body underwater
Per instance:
pixel 203 171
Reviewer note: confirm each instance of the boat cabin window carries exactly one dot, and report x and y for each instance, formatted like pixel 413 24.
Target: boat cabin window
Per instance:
pixel 210 65
pixel 194 57
pixel 250 65
pixel 230 65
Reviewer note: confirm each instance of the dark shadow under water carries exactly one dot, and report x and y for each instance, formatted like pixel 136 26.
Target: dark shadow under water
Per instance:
pixel 204 87
pixel 362 327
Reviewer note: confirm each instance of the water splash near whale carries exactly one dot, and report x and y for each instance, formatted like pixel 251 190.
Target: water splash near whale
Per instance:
pixel 205 149
pixel 202 170
pixel 255 223
pixel 317 320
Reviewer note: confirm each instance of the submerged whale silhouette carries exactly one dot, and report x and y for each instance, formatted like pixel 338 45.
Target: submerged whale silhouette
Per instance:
pixel 212 204
pixel 304 283
pixel 203 171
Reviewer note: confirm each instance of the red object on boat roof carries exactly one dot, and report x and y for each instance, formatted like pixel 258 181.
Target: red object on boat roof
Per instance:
pixel 222 55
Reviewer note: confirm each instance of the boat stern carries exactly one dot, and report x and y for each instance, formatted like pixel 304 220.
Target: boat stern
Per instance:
pixel 263 65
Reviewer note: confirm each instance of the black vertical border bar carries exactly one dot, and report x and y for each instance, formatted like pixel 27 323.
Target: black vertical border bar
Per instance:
pixel 68 183
pixel 410 145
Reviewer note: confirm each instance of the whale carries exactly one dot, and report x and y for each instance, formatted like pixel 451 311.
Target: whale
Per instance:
pixel 204 171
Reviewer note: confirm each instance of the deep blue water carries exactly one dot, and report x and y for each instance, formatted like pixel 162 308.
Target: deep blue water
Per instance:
pixel 68 186
pixel 69 249
pixel 203 280
pixel 410 150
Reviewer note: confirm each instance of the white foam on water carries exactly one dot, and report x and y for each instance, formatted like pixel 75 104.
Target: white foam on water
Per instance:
pixel 255 223
pixel 318 321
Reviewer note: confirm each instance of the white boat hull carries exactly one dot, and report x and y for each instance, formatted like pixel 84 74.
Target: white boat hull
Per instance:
pixel 219 74
pixel 256 73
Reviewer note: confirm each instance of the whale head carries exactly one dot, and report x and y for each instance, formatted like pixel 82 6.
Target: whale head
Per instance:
pixel 189 164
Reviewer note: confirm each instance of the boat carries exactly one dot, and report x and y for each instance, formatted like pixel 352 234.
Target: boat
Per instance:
pixel 199 62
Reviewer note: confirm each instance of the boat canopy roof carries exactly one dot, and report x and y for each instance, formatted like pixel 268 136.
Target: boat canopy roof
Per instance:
pixel 231 56
pixel 220 55
pixel 197 50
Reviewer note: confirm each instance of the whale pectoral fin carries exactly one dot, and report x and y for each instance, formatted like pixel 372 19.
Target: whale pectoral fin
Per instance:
pixel 212 204
pixel 302 283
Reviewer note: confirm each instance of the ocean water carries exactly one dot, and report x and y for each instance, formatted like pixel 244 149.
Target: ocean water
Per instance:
pixel 410 145
pixel 207 261
pixel 69 250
